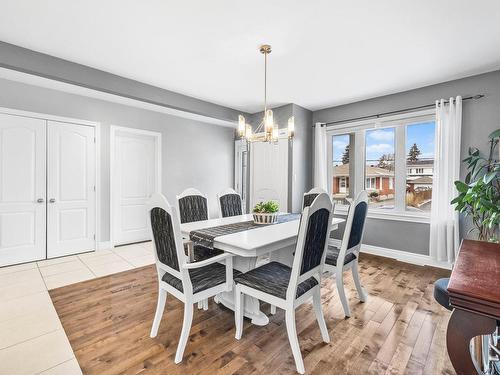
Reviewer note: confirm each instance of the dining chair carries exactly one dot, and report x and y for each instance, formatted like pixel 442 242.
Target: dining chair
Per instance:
pixel 289 287
pixel 229 202
pixel 339 260
pixel 188 282
pixel 309 197
pixel 192 206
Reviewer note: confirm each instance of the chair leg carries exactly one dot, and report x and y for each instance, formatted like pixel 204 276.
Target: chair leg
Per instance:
pixel 339 279
pixel 318 310
pixel 294 341
pixel 355 275
pixel 200 305
pixel 239 300
pixel 205 304
pixel 160 306
pixel 273 309
pixel 186 327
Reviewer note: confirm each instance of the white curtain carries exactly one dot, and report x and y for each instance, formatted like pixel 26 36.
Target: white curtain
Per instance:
pixel 444 236
pixel 320 157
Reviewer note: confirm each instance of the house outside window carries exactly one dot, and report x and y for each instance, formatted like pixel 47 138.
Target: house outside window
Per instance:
pixel 392 158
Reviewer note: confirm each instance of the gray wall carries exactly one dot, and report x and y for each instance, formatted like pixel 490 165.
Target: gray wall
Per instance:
pixel 36 63
pixel 194 154
pixel 480 118
pixel 302 156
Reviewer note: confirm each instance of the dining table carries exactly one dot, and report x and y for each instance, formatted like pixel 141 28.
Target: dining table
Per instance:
pixel 275 240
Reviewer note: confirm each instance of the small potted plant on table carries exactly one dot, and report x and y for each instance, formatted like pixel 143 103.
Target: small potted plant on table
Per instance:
pixel 265 212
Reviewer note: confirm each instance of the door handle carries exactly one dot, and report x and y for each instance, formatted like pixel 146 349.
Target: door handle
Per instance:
pixel 52 200
pixel 40 200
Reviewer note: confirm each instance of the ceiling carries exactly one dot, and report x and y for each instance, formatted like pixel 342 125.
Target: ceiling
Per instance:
pixel 325 52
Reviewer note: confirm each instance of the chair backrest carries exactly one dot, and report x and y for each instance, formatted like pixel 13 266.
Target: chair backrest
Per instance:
pixel 229 202
pixel 312 242
pixel 167 240
pixel 310 196
pixel 354 227
pixel 192 206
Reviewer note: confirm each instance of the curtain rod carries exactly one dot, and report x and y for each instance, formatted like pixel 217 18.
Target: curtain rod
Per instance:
pixel 474 97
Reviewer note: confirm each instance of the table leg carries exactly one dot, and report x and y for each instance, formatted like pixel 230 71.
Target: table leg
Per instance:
pixel 462 328
pixel 252 305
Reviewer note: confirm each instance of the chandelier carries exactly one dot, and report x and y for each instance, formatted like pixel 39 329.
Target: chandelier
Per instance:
pixel 268 130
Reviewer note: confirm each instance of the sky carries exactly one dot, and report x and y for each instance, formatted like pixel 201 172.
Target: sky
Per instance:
pixel 381 141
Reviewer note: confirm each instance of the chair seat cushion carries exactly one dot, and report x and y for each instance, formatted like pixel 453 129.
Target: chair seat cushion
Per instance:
pixel 441 293
pixel 273 278
pixel 332 255
pixel 202 278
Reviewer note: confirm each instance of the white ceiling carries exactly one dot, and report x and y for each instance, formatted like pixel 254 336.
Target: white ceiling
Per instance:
pixel 325 52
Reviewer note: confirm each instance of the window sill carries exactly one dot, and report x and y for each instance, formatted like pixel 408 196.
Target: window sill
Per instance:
pixel 386 215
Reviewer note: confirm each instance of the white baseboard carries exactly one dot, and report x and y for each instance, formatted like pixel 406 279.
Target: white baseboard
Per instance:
pixel 402 256
pixel 104 245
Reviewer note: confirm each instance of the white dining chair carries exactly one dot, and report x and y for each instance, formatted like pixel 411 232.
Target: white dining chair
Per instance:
pixel 192 206
pixel 188 282
pixel 308 197
pixel 339 260
pixel 229 202
pixel 289 287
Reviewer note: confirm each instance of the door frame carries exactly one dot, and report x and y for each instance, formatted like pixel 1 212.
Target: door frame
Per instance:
pixel 112 138
pixel 97 139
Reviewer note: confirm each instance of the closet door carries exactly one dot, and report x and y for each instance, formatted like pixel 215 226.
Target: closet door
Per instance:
pixel 71 206
pixel 22 189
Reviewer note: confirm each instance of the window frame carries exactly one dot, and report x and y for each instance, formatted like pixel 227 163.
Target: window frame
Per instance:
pixel 357 131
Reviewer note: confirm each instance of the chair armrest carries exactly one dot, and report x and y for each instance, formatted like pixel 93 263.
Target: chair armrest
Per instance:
pixel 227 257
pixel 208 261
pixel 189 245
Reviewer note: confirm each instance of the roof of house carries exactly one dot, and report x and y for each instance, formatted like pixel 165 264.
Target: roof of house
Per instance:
pixel 420 163
pixel 420 180
pixel 343 170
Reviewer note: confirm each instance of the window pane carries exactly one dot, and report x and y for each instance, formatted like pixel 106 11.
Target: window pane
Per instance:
pixel 340 168
pixel 379 169
pixel 419 166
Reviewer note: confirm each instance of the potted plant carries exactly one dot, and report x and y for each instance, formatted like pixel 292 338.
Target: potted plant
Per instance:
pixel 479 193
pixel 265 212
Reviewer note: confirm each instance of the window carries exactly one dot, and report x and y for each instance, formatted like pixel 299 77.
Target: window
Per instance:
pixel 419 165
pixel 371 183
pixel 340 168
pixel 379 167
pixel 392 158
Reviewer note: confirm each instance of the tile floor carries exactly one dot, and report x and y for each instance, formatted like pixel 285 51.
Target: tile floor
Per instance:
pixel 32 339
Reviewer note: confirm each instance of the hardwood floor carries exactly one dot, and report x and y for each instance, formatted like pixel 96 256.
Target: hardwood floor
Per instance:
pixel 399 330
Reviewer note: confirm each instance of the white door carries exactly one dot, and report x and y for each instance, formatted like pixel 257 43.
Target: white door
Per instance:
pixel 135 177
pixel 71 174
pixel 269 173
pixel 22 189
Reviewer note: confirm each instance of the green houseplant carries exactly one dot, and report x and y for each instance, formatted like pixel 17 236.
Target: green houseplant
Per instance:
pixel 479 194
pixel 266 212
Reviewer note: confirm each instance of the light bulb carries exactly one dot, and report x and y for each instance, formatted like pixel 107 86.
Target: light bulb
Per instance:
pixel 269 121
pixel 248 131
pixel 291 127
pixel 241 125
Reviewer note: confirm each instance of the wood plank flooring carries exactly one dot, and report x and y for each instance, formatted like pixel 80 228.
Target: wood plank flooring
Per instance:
pixel 399 330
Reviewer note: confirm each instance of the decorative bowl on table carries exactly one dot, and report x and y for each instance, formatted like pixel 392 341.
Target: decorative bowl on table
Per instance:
pixel 266 213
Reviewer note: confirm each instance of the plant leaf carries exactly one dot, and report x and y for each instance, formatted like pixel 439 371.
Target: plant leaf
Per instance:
pixel 494 134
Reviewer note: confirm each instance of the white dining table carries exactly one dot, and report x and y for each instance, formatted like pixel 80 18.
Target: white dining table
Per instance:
pixel 277 240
